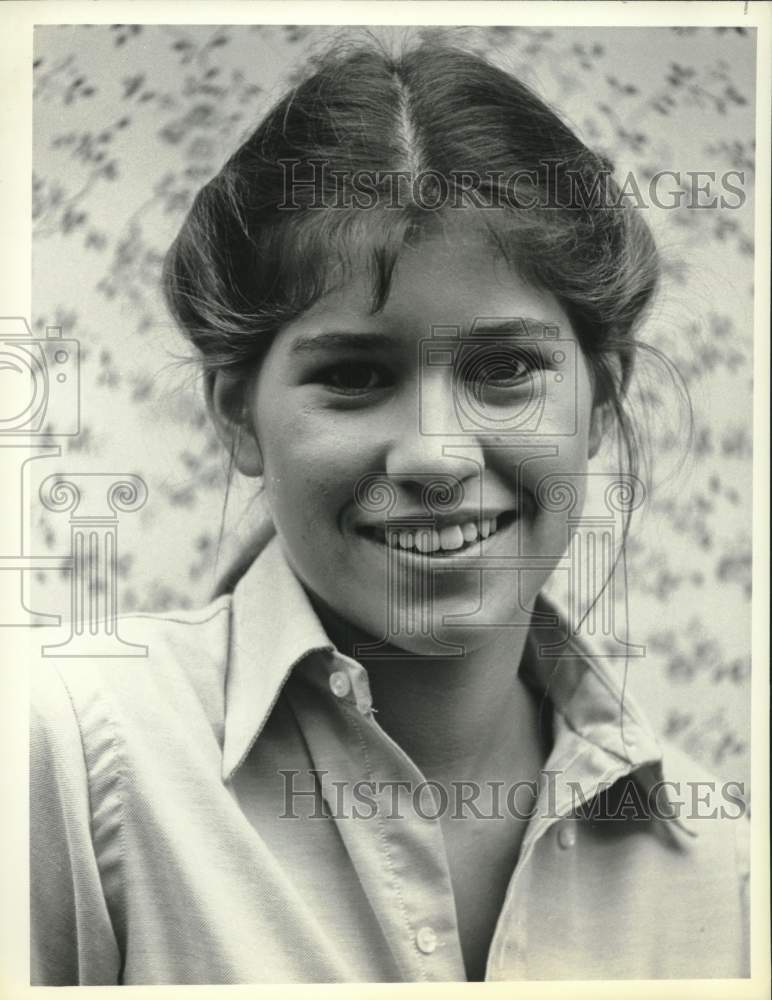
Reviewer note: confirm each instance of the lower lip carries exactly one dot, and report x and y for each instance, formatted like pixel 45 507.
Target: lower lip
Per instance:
pixel 463 557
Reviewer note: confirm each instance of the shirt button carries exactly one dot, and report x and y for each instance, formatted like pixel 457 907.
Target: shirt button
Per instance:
pixel 340 685
pixel 567 835
pixel 426 940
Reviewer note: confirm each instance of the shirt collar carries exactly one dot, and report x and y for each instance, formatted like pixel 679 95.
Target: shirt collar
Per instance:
pixel 598 730
pixel 274 627
pixel 600 733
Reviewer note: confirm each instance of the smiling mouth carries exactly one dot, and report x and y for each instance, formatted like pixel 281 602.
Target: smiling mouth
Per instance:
pixel 449 541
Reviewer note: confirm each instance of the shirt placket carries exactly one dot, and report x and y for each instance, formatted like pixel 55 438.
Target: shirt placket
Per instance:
pixel 553 828
pixel 398 855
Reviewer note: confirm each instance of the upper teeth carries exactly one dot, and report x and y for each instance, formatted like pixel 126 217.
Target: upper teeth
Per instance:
pixel 449 538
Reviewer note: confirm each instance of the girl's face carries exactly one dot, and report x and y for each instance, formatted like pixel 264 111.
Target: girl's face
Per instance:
pixel 344 396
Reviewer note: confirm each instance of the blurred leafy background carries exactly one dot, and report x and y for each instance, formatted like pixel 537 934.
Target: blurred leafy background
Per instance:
pixel 130 120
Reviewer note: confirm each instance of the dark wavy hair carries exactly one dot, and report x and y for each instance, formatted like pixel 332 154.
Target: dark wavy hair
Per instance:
pixel 250 257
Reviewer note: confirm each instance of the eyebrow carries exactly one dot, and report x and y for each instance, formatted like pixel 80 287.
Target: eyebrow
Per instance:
pixel 520 326
pixel 335 341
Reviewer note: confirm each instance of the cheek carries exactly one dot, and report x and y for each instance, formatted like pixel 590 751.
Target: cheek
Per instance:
pixel 311 466
pixel 562 482
pixel 555 485
pixel 572 425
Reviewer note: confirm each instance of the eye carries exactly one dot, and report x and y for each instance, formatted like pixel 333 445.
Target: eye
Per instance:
pixel 354 377
pixel 501 367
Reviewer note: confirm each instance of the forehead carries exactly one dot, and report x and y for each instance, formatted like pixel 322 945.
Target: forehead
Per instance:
pixel 451 277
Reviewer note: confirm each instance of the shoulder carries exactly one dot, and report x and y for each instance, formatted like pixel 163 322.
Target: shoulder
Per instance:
pixel 699 794
pixel 176 662
pixel 699 868
pixel 678 862
pixel 713 812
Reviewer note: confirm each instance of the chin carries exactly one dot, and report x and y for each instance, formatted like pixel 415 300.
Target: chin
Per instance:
pixel 448 629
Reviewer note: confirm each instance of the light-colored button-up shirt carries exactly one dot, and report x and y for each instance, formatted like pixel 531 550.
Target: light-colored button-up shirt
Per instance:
pixel 192 822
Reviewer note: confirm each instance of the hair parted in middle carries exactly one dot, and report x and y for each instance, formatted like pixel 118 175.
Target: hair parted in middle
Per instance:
pixel 311 193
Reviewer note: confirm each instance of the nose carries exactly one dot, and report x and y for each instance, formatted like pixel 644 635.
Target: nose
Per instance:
pixel 429 440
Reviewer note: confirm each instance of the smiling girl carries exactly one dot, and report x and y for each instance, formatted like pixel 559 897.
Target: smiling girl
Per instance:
pixel 380 754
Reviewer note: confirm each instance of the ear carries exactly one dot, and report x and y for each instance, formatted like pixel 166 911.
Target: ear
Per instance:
pixel 225 394
pixel 600 421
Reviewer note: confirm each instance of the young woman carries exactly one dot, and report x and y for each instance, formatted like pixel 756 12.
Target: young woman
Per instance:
pixel 380 754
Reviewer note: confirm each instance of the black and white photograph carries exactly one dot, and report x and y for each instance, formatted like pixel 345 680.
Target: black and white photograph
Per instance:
pixel 381 450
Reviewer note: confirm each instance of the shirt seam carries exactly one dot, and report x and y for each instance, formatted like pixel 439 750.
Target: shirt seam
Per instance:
pixel 224 605
pixel 119 781
pixel 382 834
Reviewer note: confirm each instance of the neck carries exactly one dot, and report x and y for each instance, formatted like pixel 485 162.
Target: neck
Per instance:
pixel 469 717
